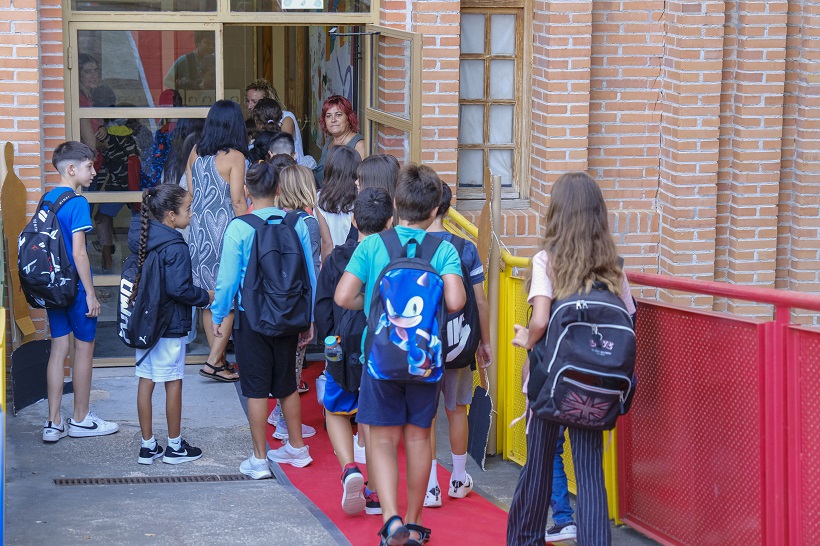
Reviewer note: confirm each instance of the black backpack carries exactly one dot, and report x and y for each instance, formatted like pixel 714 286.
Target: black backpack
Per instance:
pixel 144 321
pixel 47 276
pixel 582 370
pixel 463 327
pixel 276 294
pixel 350 329
pixel 407 314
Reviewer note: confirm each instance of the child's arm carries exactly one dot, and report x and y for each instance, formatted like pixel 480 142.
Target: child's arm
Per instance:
pixel 323 310
pixel 84 271
pixel 485 350
pixel 528 337
pixel 454 295
pixel 227 280
pixel 237 183
pixel 178 282
pixel 324 231
pixel 349 292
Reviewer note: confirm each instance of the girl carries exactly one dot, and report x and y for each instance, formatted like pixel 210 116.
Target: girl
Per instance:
pixel 166 208
pixel 267 115
pixel 577 251
pixel 339 191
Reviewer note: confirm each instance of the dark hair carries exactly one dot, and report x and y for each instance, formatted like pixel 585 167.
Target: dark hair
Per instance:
pixel 84 59
pixel 103 96
pixel 446 197
pixel 379 171
pixel 262 180
pixel 200 35
pixel 185 135
pixel 344 105
pixel 224 130
pixel 156 203
pixel 418 192
pixel 250 129
pixel 339 185
pixel 259 151
pixel 372 209
pixel 282 143
pixel 267 115
pixel 280 161
pixel 71 151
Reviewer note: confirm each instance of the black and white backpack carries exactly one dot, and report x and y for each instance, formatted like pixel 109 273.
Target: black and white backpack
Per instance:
pixel 47 276
pixel 463 327
pixel 582 370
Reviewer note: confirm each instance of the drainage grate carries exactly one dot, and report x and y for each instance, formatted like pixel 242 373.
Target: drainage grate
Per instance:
pixel 140 480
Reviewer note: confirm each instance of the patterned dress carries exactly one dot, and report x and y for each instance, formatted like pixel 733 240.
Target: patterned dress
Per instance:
pixel 211 211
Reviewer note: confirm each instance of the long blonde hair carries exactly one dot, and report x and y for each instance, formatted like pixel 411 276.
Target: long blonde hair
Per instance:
pixel 297 188
pixel 577 239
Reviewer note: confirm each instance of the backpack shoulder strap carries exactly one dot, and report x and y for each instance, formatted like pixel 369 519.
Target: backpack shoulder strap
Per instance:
pixel 62 200
pixel 458 242
pixel 393 244
pixel 252 220
pixel 292 217
pixel 429 246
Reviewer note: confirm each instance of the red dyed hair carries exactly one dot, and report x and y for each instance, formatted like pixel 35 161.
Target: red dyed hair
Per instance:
pixel 344 105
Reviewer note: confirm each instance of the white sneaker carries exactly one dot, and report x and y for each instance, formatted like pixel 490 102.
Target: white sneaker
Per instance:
pixel 52 433
pixel 281 432
pixel 275 416
pixel 564 532
pixel 359 455
pixel 287 454
pixel 255 468
pixel 91 426
pixel 433 498
pixel 459 489
pixel 353 500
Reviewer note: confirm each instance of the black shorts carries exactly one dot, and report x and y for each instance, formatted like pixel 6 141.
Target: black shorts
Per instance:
pixel 397 403
pixel 267 365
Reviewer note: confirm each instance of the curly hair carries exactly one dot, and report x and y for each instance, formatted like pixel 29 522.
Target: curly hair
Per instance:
pixel 265 86
pixel 344 105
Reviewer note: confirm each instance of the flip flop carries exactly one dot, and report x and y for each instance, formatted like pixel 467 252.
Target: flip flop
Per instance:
pixel 215 374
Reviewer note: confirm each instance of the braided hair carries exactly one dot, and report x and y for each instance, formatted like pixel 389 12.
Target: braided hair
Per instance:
pixel 156 203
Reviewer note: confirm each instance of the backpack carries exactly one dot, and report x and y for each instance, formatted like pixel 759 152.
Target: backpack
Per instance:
pixel 582 370
pixel 407 314
pixel 463 327
pixel 276 294
pixel 143 322
pixel 350 329
pixel 47 276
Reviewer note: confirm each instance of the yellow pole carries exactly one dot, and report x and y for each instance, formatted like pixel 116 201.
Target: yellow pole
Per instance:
pixel 493 283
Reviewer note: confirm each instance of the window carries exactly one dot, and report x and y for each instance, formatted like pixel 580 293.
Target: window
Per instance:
pixel 490 105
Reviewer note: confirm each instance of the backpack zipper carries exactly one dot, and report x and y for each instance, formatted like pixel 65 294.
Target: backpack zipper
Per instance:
pixel 582 305
pixel 561 337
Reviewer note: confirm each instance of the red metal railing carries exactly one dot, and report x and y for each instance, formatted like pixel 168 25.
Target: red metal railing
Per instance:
pixel 722 445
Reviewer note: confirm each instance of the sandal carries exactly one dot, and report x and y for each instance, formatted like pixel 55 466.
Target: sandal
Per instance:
pixel 399 535
pixel 215 374
pixel 424 534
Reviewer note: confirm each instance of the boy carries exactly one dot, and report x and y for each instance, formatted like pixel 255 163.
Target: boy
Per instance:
pixel 75 163
pixel 457 384
pixel 396 409
pixel 372 213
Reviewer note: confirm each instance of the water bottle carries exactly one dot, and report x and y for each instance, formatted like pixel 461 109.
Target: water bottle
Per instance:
pixel 333 351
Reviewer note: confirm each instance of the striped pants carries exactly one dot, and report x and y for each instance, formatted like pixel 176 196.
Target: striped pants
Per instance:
pixel 530 505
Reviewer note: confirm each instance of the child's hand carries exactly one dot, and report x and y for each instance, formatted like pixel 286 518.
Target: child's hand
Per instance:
pixel 215 329
pixel 485 355
pixel 305 337
pixel 210 296
pixel 522 334
pixel 93 305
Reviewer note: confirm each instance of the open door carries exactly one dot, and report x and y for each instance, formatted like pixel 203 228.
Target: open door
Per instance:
pixel 393 93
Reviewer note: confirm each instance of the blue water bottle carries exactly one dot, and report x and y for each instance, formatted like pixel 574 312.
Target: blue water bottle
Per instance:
pixel 333 351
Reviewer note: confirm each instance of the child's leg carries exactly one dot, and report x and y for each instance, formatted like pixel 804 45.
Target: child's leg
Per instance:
pixel 145 391
pixel 593 513
pixel 530 505
pixel 55 376
pixel 559 502
pixel 217 344
pixel 105 233
pixel 383 466
pixel 292 411
pixel 341 437
pixel 257 419
pixel 457 420
pixel 173 407
pixel 81 376
pixel 419 460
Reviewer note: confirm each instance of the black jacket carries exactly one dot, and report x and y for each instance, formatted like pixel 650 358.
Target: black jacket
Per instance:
pixel 332 269
pixel 176 266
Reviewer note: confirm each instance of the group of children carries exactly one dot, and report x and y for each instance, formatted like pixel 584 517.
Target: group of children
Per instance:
pixel 409 205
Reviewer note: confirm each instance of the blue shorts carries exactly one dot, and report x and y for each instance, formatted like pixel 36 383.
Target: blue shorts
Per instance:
pixel 397 403
pixel 66 320
pixel 337 400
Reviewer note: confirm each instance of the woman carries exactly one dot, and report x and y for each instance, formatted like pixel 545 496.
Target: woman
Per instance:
pixel 339 122
pixel 216 180
pixel 89 81
pixel 262 89
pixel 339 192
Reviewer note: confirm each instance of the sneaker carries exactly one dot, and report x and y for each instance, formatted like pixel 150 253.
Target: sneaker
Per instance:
pixel 557 533
pixel 281 432
pixel 184 454
pixel 433 498
pixel 287 454
pixel 91 426
pixel 353 500
pixel 359 455
pixel 148 454
pixel 302 388
pixel 52 433
pixel 459 489
pixel 275 416
pixel 372 506
pixel 257 469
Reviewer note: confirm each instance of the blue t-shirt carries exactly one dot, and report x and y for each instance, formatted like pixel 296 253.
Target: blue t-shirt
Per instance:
pixel 469 256
pixel 73 216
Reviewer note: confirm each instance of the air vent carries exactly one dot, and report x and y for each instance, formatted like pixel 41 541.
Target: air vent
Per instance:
pixel 140 480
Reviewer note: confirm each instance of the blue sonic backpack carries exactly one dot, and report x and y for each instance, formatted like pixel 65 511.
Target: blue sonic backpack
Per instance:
pixel 407 314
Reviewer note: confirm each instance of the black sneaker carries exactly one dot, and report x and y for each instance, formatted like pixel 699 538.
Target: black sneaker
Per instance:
pixel 148 454
pixel 184 454
pixel 372 505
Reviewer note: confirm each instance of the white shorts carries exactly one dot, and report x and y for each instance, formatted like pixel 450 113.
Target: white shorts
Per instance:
pixel 457 387
pixel 166 361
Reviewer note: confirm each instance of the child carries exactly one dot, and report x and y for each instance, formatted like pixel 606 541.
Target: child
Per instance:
pixel 457 384
pixel 165 208
pixel 268 363
pixel 577 251
pixel 339 191
pixel 75 163
pixel 396 409
pixel 372 213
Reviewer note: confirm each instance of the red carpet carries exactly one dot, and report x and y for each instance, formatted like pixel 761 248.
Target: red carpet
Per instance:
pixel 472 520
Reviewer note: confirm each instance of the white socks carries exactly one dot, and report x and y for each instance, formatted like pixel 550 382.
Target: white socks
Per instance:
pixel 433 481
pixel 175 443
pixel 459 468
pixel 151 442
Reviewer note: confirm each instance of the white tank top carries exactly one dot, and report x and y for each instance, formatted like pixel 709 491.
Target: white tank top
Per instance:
pixel 297 136
pixel 339 224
